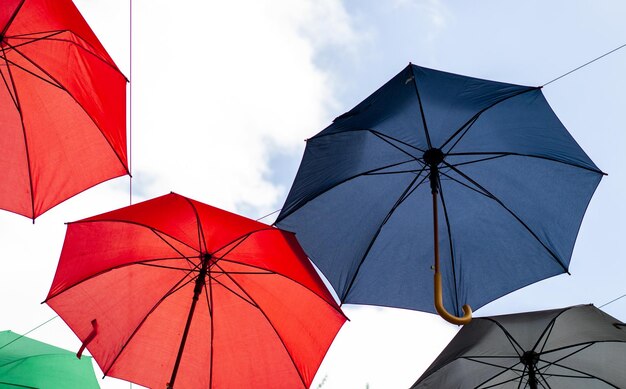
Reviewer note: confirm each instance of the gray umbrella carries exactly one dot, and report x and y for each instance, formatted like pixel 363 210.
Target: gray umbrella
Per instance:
pixel 574 347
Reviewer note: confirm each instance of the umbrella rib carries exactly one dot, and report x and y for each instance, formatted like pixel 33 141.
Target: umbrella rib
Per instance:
pixel 160 236
pixel 271 272
pixel 201 238
pixel 394 172
pixel 211 308
pixel 383 138
pixel 493 377
pixel 231 290
pixel 586 345
pixel 581 344
pixel 478 160
pixel 23 37
pixel 6 84
pixel 543 381
pixel 162 266
pixel 477 360
pixel 464 184
pixel 510 337
pixel 532 233
pixel 144 262
pixel 17 385
pixel 452 260
pixel 419 100
pixel 380 134
pixel 12 18
pixel 175 288
pixel 547 332
pixel 157 231
pixel 548 329
pixel 589 376
pixel 289 212
pixel 405 194
pixel 271 325
pixel 77 103
pixel 19 110
pixel 519 384
pixel 507 153
pixel 373 132
pixel 32 73
pixel 467 126
pixel 477 114
pixel 53 33
pixel 239 240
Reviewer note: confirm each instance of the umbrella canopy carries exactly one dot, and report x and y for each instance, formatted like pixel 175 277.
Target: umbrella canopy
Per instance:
pixel 173 291
pixel 575 347
pixel 511 182
pixel 28 363
pixel 63 115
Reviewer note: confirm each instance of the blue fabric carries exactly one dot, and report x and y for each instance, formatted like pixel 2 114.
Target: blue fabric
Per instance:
pixel 514 189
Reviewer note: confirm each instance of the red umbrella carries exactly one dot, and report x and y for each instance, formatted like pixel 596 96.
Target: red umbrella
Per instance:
pixel 63 107
pixel 175 291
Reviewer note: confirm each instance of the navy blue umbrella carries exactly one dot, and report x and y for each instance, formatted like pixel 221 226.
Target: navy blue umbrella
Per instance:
pixel 510 182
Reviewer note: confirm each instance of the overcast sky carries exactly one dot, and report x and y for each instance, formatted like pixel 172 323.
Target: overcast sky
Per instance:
pixel 224 93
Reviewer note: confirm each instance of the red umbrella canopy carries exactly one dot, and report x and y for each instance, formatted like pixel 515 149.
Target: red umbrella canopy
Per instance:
pixel 263 316
pixel 63 107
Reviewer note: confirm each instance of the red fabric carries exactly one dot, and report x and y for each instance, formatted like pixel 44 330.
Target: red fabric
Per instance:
pixel 268 329
pixel 63 115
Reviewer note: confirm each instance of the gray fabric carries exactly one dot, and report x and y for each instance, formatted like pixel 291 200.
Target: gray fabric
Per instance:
pixel 577 347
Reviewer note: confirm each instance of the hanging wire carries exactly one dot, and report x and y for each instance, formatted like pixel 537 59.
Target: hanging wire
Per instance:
pixel 269 214
pixel 612 301
pixel 23 335
pixel 130 102
pixel 582 66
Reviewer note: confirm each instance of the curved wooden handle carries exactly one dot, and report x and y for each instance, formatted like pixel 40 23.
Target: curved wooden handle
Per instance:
pixel 441 310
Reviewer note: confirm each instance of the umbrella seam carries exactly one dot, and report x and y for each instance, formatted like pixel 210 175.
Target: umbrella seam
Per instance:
pixel 507 153
pixel 419 100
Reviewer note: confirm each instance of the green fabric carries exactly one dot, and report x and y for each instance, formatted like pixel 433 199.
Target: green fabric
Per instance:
pixel 27 363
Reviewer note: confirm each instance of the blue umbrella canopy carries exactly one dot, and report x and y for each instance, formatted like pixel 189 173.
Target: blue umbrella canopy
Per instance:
pixel 511 184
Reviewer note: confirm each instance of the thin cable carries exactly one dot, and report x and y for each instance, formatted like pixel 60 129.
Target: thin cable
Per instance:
pixel 130 103
pixel 23 335
pixel 582 66
pixel 612 301
pixel 269 214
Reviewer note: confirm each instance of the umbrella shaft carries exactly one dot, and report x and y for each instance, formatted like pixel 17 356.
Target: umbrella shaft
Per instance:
pixel 532 379
pixel 200 281
pixel 434 188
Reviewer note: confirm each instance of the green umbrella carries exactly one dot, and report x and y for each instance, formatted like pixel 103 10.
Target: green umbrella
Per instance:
pixel 28 363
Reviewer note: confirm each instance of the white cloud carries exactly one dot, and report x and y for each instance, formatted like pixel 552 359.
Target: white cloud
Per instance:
pixel 215 94
pixel 434 12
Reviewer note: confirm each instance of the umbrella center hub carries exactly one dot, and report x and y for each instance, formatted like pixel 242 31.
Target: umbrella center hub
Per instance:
pixel 433 157
pixel 530 358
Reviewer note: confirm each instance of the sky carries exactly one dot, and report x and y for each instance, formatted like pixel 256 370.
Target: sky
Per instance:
pixel 224 94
